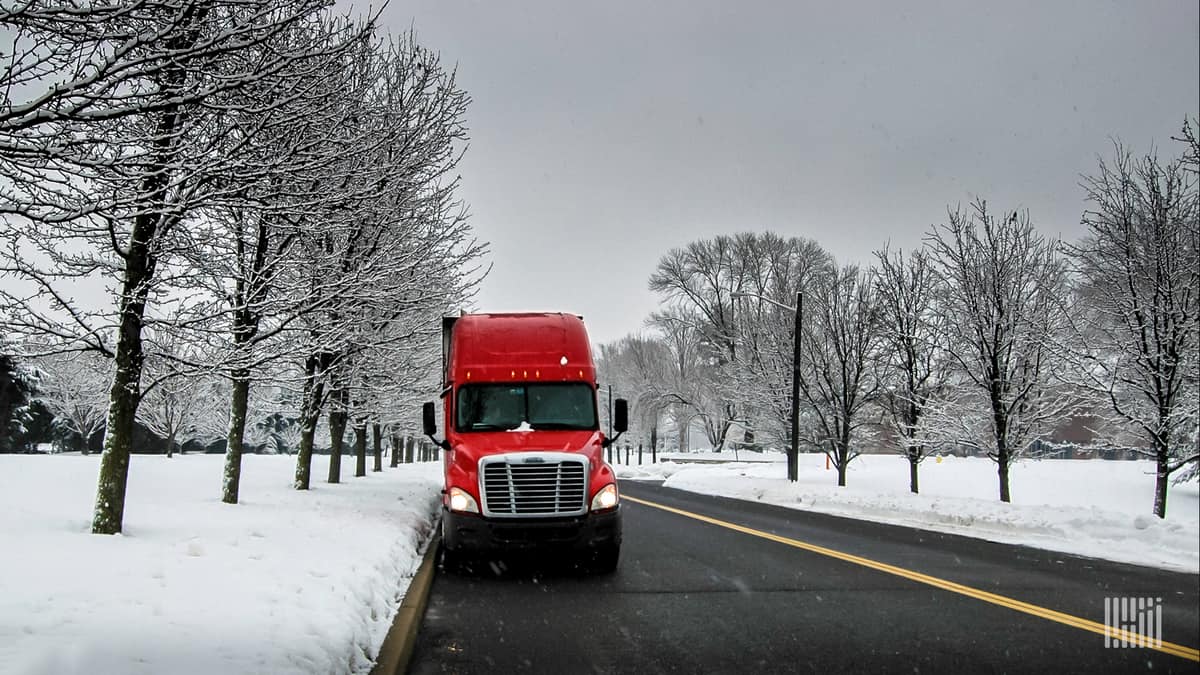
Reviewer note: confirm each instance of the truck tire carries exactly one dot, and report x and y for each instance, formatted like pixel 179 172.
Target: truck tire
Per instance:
pixel 452 561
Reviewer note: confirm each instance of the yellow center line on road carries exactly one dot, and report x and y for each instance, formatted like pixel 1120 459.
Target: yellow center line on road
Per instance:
pixel 1126 636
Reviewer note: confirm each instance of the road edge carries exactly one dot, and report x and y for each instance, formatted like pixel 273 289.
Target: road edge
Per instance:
pixel 397 648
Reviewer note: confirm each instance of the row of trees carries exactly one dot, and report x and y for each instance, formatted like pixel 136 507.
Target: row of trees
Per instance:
pixel 251 193
pixel 991 335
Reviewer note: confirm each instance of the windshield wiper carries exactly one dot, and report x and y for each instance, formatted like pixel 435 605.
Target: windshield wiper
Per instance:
pixel 558 426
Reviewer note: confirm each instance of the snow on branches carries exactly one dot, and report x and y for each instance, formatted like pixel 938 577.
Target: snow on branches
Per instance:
pixel 224 187
pixel 1136 344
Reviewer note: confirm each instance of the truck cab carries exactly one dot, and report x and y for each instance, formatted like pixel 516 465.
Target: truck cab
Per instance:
pixel 524 461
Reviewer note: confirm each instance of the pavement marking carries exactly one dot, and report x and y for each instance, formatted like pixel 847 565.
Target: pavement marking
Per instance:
pixel 1003 601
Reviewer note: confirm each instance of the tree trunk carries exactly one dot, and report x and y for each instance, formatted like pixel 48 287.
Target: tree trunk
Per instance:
pixel 245 327
pixel 654 444
pixel 1162 479
pixel 360 448
pixel 912 475
pixel 118 440
pixel 1000 428
pixel 237 430
pixel 377 440
pixel 125 393
pixel 1005 496
pixel 396 451
pixel 337 432
pixel 841 455
pixel 408 449
pixel 310 413
pixel 171 444
pixel 140 261
pixel 304 455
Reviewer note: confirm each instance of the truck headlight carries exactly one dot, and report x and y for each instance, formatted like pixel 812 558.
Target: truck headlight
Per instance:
pixel 606 498
pixel 462 502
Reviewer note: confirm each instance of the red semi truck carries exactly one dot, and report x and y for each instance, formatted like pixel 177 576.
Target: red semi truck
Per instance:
pixel 524 462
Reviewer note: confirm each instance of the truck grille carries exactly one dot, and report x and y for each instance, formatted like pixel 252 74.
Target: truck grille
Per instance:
pixel 532 484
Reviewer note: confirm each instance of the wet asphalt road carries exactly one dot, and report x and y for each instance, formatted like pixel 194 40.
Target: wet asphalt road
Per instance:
pixel 694 597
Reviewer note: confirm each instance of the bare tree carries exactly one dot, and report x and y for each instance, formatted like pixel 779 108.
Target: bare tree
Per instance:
pixel 838 382
pixel 317 246
pixel 406 254
pixel 1139 290
pixel 1004 288
pixel 640 368
pixel 405 365
pixel 696 388
pixel 415 271
pixel 914 362
pixel 289 438
pixel 74 387
pixel 701 279
pixel 327 128
pixel 115 146
pixel 167 409
pixel 210 423
pixel 773 271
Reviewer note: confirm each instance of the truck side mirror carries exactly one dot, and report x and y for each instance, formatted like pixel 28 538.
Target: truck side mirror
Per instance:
pixel 620 415
pixel 428 419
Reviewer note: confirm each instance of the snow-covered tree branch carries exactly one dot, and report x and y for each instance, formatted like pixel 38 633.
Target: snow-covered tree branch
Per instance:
pixel 913 359
pixel 1004 290
pixel 1138 273
pixel 838 348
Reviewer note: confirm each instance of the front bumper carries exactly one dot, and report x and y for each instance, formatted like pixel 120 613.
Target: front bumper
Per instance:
pixel 469 532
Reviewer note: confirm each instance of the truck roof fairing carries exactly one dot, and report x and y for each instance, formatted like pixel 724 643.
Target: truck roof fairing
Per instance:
pixel 517 347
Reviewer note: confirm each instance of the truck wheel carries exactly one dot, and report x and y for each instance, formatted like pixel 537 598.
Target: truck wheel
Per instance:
pixel 605 558
pixel 452 560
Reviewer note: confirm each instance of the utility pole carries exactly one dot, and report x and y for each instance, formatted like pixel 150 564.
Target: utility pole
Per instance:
pixel 794 451
pixel 793 455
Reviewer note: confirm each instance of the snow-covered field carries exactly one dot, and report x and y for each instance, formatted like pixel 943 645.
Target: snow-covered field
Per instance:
pixel 284 582
pixel 1090 507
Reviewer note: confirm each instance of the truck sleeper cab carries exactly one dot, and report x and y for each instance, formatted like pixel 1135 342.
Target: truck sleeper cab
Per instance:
pixel 524 466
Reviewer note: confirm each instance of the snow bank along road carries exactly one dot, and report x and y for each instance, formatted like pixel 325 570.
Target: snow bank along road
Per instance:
pixel 1093 508
pixel 285 582
pixel 708 584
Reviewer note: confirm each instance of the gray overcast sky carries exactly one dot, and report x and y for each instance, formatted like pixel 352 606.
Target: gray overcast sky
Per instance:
pixel 604 134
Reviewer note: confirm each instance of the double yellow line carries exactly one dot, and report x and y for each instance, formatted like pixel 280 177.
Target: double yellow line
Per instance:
pixel 1003 601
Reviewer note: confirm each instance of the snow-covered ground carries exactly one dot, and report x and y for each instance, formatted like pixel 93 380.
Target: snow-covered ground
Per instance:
pixel 1090 507
pixel 285 582
pixel 308 582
